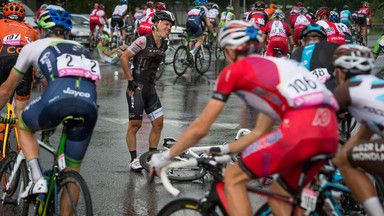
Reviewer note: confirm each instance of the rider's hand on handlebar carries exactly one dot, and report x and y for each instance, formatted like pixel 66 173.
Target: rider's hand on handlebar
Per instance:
pixel 224 149
pixel 159 160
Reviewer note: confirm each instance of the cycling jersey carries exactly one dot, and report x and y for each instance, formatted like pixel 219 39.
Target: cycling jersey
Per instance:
pixel 379 45
pixel 278 33
pixel 258 17
pixel 97 17
pixel 71 75
pixel 362 15
pixel 225 17
pixel 271 85
pixel 13 37
pixel 118 15
pixel 196 21
pixel 213 15
pixel 354 16
pixel 317 58
pixel 347 33
pixel 298 23
pixel 138 14
pixel 293 14
pixel 333 33
pixel 148 11
pixel 345 17
pixel 111 59
pixel 145 27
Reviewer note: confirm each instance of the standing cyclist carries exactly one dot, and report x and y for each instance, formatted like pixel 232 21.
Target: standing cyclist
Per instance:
pixel 147 53
pixel 67 94
pixel 266 83
pixel 361 94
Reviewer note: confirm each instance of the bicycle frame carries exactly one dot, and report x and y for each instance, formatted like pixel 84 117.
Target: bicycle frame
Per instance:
pixel 8 126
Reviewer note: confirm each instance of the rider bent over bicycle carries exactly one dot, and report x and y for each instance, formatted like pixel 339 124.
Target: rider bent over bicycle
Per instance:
pixel 269 85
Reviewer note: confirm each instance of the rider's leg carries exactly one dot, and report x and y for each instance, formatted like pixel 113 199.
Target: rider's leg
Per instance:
pixel 365 34
pixel 31 151
pixel 123 34
pixel 279 207
pixel 154 136
pixel 133 128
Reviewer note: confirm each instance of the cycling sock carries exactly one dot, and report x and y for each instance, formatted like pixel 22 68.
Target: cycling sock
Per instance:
pixel 35 169
pixel 133 155
pixel 152 149
pixel 373 206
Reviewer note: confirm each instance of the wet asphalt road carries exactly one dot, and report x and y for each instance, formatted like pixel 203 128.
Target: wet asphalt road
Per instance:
pixel 116 190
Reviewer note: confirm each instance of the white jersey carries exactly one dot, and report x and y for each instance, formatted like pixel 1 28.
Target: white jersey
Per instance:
pixel 98 12
pixel 120 10
pixel 213 13
pixel 343 28
pixel 330 28
pixel 277 30
pixel 302 21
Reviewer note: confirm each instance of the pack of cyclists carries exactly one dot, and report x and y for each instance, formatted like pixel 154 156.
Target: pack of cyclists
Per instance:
pixel 325 61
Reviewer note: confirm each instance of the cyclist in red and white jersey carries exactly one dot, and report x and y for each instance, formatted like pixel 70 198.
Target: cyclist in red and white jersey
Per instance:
pixel 361 94
pixel 270 85
pixel 362 15
pixel 294 12
pixel 299 22
pixel 145 27
pixel 99 18
pixel 258 16
pixel 341 27
pixel 149 9
pixel 333 33
pixel 278 33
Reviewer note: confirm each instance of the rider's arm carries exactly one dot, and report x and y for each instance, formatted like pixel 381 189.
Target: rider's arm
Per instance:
pixel 131 18
pixel 9 86
pixel 376 48
pixel 124 60
pixel 108 53
pixel 210 27
pixel 291 43
pixel 363 134
pixel 264 125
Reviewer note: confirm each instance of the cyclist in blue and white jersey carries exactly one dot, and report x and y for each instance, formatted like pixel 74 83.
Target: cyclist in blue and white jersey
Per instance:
pixel 214 16
pixel 72 78
pixel 346 16
pixel 197 21
pixel 119 17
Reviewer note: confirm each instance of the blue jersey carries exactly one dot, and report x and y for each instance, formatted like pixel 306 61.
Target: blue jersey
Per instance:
pixel 345 17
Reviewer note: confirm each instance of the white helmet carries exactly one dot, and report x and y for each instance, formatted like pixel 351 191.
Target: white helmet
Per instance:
pixel 215 6
pixel 279 15
pixel 237 33
pixel 354 59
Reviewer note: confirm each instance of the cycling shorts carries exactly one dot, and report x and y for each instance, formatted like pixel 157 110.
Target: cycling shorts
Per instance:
pixel 117 20
pixel 145 29
pixel 64 97
pixel 277 42
pixel 339 39
pixel 368 155
pixel 287 148
pixel 144 99
pixel 297 31
pixel 194 29
pixel 213 22
pixel 362 20
pixel 348 38
pixel 24 89
pixel 95 20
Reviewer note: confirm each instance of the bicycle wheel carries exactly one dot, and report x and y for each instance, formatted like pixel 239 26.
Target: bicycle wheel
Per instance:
pixel 219 52
pixel 68 186
pixel 180 60
pixel 183 207
pixel 203 59
pixel 179 174
pixel 19 182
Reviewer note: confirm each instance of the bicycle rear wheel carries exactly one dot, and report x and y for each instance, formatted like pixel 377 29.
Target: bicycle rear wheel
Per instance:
pixel 179 174
pixel 68 186
pixel 183 207
pixel 180 60
pixel 219 52
pixel 203 59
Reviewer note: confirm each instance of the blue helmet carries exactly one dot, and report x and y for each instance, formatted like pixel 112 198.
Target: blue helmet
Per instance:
pixel 123 2
pixel 197 2
pixel 51 18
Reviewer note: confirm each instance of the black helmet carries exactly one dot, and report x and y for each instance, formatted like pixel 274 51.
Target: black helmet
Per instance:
pixel 163 15
pixel 2 4
pixel 313 30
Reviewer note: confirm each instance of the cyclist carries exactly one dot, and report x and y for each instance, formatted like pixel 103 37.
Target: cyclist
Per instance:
pixel 341 27
pixel 226 16
pixel 119 17
pixel 197 21
pixel 379 45
pixel 299 22
pixel 361 94
pixel 278 33
pixel 270 11
pixel 71 91
pixel 333 33
pixel 98 17
pixel 41 10
pixel 312 14
pixel 112 56
pixel 147 53
pixel 149 9
pixel 293 12
pixel 346 16
pixel 14 35
pixel 56 5
pixel 261 82
pixel 362 21
pixel 138 13
pixel 316 54
pixel 214 16
pixel 258 16
pixel 145 27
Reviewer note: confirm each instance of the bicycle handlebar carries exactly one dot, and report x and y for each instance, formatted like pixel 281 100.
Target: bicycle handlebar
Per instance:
pixel 241 132
pixel 188 163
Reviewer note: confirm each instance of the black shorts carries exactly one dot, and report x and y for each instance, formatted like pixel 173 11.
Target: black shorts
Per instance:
pixel 362 20
pixel 117 20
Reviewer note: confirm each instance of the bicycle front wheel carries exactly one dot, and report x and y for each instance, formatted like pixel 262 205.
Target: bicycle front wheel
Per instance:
pixel 183 207
pixel 219 52
pixel 180 60
pixel 73 196
pixel 203 59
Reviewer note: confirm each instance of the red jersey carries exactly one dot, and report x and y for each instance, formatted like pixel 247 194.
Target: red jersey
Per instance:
pixel 258 17
pixel 365 11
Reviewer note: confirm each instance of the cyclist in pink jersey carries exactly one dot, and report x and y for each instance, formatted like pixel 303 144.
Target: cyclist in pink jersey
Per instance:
pixel 333 33
pixel 299 22
pixel 271 85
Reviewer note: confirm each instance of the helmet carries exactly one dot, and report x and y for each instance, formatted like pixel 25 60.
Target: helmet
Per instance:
pixel 197 2
pixel 209 4
pixel 215 6
pixel 105 37
pixel 52 18
pixel 149 3
pixel 123 2
pixel 323 11
pixel 259 5
pixel 365 4
pixel 334 17
pixel 345 7
pixel 14 10
pixel 101 6
pixel 230 8
pixel 313 30
pixel 236 33
pixel 57 1
pixel 160 6
pixel 278 15
pixel 355 59
pixel 43 6
pixel 302 11
pixel 163 15
pixel 299 4
pixel 272 6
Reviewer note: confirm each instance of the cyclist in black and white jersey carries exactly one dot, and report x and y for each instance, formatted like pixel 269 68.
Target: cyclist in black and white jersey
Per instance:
pixel 72 77
pixel 119 17
pixel 362 95
pixel 147 52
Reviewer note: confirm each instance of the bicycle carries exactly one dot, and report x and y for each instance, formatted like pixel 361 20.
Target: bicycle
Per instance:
pixel 184 59
pixel 117 38
pixel 16 174
pixel 9 132
pixel 215 199
pixel 215 47
pixel 346 125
